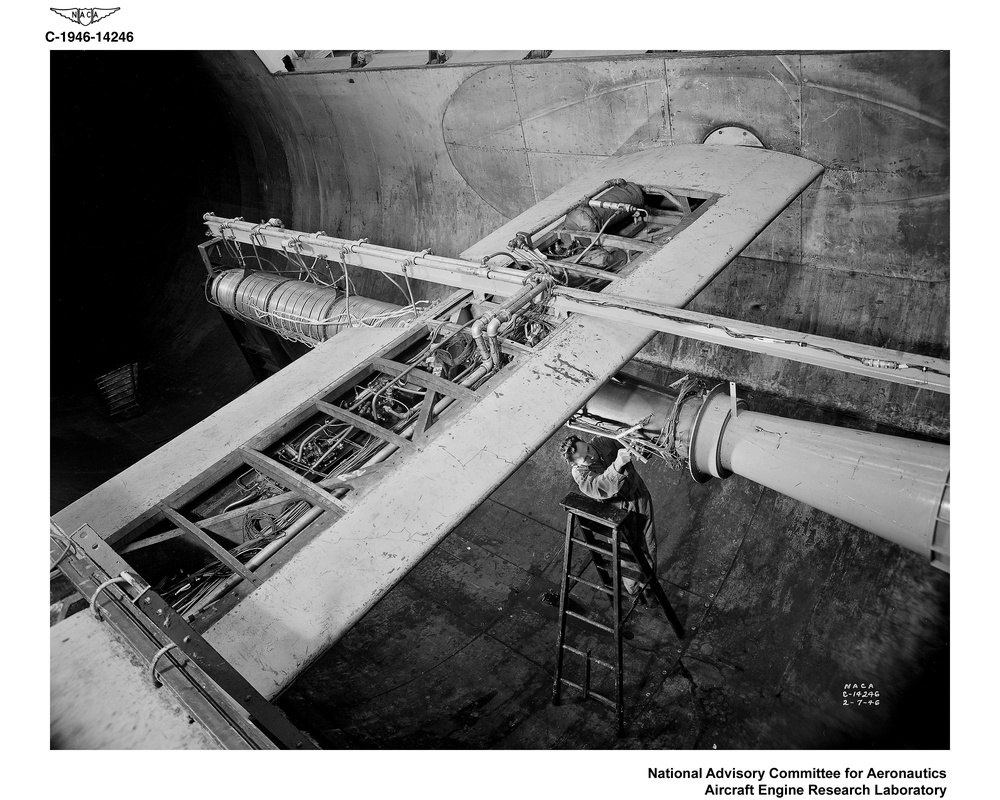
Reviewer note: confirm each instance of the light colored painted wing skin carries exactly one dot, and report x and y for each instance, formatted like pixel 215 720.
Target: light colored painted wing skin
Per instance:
pixel 101 696
pixel 275 632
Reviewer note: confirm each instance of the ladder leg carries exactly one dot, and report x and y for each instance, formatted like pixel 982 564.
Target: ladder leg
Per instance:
pixel 654 586
pixel 619 652
pixel 563 592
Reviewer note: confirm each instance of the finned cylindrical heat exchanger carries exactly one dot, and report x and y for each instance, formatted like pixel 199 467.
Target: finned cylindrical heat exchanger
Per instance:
pixel 297 309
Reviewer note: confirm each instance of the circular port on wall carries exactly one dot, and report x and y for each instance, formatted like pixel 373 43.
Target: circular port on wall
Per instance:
pixel 733 135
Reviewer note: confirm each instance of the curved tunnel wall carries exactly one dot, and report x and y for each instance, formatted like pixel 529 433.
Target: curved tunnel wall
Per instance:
pixel 438 157
pixel 126 277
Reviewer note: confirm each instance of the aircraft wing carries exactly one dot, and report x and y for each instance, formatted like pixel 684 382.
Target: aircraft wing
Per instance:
pixel 365 548
pixel 335 579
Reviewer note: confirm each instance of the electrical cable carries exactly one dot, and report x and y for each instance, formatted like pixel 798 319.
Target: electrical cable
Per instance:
pixel 394 283
pixel 594 241
pixel 869 362
pixel 347 293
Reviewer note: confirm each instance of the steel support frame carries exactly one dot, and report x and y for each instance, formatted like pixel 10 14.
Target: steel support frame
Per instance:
pixel 875 362
pixel 206 685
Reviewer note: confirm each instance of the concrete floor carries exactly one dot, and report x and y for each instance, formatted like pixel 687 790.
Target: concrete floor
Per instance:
pixel 783 606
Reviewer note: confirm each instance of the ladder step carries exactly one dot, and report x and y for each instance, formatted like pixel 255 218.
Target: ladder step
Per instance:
pixel 584 654
pixel 591 584
pixel 607 540
pixel 591 693
pixel 593 622
pixel 623 557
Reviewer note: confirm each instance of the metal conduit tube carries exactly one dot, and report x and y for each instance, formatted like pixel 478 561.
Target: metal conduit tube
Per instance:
pixel 487 344
pixel 480 339
pixel 894 487
pixel 219 226
pixel 312 514
pixel 493 334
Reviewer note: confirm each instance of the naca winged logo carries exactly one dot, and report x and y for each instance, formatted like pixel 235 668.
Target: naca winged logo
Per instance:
pixel 85 16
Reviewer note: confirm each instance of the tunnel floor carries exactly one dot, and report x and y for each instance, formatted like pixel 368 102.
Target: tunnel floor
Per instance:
pixel 784 607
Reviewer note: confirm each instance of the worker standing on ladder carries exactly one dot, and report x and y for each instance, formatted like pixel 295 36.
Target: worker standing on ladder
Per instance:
pixel 603 471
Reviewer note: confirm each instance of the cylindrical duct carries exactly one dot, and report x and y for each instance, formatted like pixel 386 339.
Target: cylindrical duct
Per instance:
pixel 894 487
pixel 297 309
pixel 629 405
pixel 888 485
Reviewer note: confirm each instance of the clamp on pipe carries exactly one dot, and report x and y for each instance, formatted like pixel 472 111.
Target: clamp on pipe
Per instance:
pixel 349 247
pixel 480 339
pixel 101 588
pixel 227 224
pixel 255 235
pixel 315 239
pixel 412 260
pixel 157 683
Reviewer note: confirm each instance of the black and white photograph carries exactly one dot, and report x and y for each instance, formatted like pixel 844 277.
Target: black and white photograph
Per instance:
pixel 503 400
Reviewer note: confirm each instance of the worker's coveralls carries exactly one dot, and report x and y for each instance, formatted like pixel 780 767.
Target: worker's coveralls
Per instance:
pixel 626 490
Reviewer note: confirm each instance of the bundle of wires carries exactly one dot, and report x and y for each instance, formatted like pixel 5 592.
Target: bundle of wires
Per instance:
pixel 344 318
pixel 187 592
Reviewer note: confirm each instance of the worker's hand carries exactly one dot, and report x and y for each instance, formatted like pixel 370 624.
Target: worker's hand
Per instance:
pixel 624 457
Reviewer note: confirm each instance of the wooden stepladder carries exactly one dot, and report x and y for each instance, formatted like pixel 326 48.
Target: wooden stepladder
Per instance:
pixel 586 523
